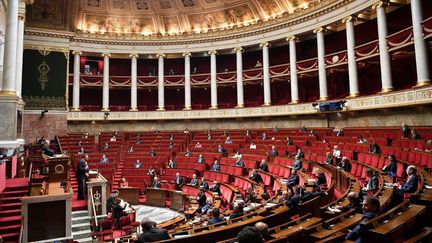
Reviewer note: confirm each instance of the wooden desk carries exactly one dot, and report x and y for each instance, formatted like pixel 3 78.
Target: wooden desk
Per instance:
pixel 155 197
pixel 129 194
pixel 338 227
pixel 177 200
pixel 297 228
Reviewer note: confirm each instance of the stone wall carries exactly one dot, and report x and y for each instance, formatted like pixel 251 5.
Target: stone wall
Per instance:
pixel 413 116
pixel 50 124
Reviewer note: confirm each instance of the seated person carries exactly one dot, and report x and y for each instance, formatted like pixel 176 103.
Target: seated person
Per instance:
pixel 171 145
pixel 209 136
pixel 215 217
pixel 150 233
pixel 111 201
pixel 82 151
pixel 179 182
pixel 237 210
pixel 171 164
pixel 204 185
pixel 371 207
pixel 201 159
pixel 237 155
pixel 312 133
pixel 215 188
pixel 188 153
pixel 171 137
pixel 320 179
pixel 328 159
pixel 297 165
pixel 415 134
pixel 123 182
pixel 250 195
pixel 198 145
pixel 354 203
pixel 151 171
pixel 206 207
pixel 113 138
pixel 405 131
pixel 289 141
pixel 256 177
pixel 344 164
pixel 221 149
pixel 131 149
pixel 138 164
pixel 340 133
pixel 273 151
pixel 372 184
pixel 303 129
pixel 390 168
pixel 336 152
pixel 228 140
pixel 248 133
pixel 194 180
pixel 156 183
pixel 362 140
pixel 138 141
pixel 250 234
pixel 263 229
pixel 286 196
pixel 294 179
pixel 239 162
pixel 410 185
pixel 79 143
pixel 374 148
pixel 300 153
pixel 263 166
pixel 264 136
pixel 186 131
pixel 152 153
pixel 215 166
pixel 118 212
pixel 201 199
pixel 252 146
pixel 275 129
pixel 104 159
pixel 106 146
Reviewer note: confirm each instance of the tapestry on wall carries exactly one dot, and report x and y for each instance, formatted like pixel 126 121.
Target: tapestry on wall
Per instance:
pixel 44 79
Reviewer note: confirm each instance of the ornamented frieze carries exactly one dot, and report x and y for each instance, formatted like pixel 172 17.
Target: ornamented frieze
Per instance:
pixel 397 99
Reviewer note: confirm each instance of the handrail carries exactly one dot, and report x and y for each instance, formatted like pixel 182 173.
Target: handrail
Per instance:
pixel 59 144
pixel 94 208
pixel 20 238
pixel 30 173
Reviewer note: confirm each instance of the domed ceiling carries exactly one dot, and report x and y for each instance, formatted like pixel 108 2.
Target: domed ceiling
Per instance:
pixel 158 17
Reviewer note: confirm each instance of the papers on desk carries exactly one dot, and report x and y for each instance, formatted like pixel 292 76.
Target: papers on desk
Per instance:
pixel 428 187
pixel 270 205
pixel 333 209
pixel 251 206
pixel 388 185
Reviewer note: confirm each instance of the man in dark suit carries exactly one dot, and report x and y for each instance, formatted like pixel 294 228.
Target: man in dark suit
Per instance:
pixel 294 179
pixel 150 233
pixel 201 199
pixel 156 183
pixel 221 149
pixel 215 166
pixel 298 165
pixel 410 185
pixel 81 175
pixel 118 212
pixel 371 207
pixel 274 152
pixel 345 164
pixel 215 188
pixel 256 177
pixel 178 182
pixel 112 201
pixel 204 184
pixel 46 149
pixel 194 180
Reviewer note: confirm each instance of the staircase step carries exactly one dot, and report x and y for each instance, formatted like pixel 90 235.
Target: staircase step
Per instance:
pixel 80 227
pixel 9 213
pixel 79 220
pixel 81 234
pixel 10 228
pixel 14 193
pixel 10 237
pixel 81 213
pixel 5 221
pixel 10 200
pixel 9 206
pixel 85 240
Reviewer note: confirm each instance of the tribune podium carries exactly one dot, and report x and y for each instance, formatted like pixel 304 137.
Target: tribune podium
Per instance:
pixel 97 195
pixel 177 200
pixel 129 194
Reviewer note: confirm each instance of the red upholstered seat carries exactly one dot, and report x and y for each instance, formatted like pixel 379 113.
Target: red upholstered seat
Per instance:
pixel 124 224
pixel 107 229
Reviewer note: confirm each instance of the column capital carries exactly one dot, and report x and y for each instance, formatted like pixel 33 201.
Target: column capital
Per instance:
pixel 379 4
pixel 291 37
pixel 74 52
pixel 21 10
pixel 264 44
pixel 29 1
pixel 187 54
pixel 160 55
pixel 212 52
pixel 319 29
pixel 239 49
pixel 106 55
pixel 348 19
pixel 134 55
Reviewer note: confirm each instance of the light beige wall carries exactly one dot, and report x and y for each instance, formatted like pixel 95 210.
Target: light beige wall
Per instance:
pixel 413 116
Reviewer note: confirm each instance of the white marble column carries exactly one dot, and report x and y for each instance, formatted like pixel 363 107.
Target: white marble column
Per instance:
pixel 352 64
pixel 421 52
pixel 9 67
pixel 161 80
pixel 105 87
pixel 293 70
pixel 322 75
pixel 134 85
pixel 385 64
pixel 239 63
pixel 76 81
pixel 1 59
pixel 213 79
pixel 20 47
pixel 188 102
pixel 266 73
